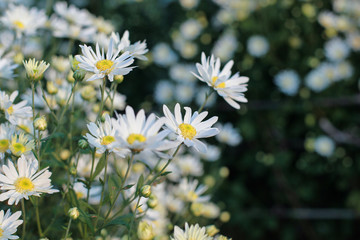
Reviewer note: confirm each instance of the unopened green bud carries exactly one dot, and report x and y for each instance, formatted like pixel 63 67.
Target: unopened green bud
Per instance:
pixel 145 191
pixel 40 123
pixel 73 170
pixel 145 231
pixel 74 213
pixel 74 63
pixel 119 78
pixel 83 143
pixel 152 201
pixel 103 115
pixel 79 75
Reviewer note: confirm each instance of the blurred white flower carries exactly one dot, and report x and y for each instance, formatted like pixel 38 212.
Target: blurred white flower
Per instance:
pixel 189 4
pixel 336 49
pixel 189 165
pixel 190 29
pixel 14 111
pixel 181 72
pixel 163 55
pixel 226 46
pixel 192 232
pixel 94 194
pixel 288 82
pixel 184 93
pixel 137 50
pixel 164 91
pixel 228 134
pixel 317 81
pixel 324 146
pixel 9 223
pixel 257 46
pixel 191 191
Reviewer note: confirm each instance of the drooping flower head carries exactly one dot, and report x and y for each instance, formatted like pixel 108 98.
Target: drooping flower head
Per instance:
pixel 190 128
pixel 24 181
pixel 8 224
pixel 101 65
pixel 231 88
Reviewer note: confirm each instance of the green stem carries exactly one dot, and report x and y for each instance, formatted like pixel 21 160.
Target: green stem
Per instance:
pixel 134 216
pixel 24 217
pixel 102 98
pixel 33 110
pixel 206 99
pixel 91 174
pixel 130 160
pixel 47 103
pixel 103 188
pixel 38 218
pixel 67 229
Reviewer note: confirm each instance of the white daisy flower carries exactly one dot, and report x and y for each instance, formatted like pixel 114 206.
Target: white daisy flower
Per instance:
pixel 191 128
pixel 23 20
pixel 24 181
pixel 230 88
pixel 164 91
pixel 163 55
pixel 189 165
pixel 191 191
pixel 288 82
pixel 137 50
pixel 14 111
pixel 8 224
pixel 336 49
pixel 228 134
pixel 317 81
pixel 35 69
pixel 103 137
pixel 102 66
pixel 192 232
pixel 191 29
pixel 140 134
pixel 324 146
pixel 6 131
pixel 94 194
pixel 257 46
pixel 7 68
pixel 72 14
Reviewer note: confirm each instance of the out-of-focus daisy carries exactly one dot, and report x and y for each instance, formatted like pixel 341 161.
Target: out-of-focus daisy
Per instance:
pixel 137 50
pixel 324 146
pixel 7 68
pixel 191 191
pixel 343 70
pixel 353 39
pixel 192 232
pixel 24 181
pixel 184 93
pixel 317 81
pixel 94 194
pixel 189 165
pixel 212 154
pixel 20 144
pixel 226 46
pixel 182 73
pixel 14 111
pixel 138 133
pixel 231 88
pixel 164 91
pixel 102 136
pixel 190 128
pixel 102 66
pixel 8 224
pixel 102 25
pixel 288 82
pixel 228 134
pixel 189 4
pixel 190 29
pixel 72 14
pixel 257 46
pixel 6 131
pixel 163 55
pixel 23 20
pixel 336 50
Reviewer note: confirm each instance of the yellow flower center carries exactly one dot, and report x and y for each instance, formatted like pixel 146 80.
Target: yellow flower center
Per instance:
pixel 187 131
pixel 80 195
pixel 105 65
pixel 220 85
pixel 19 24
pixel 135 137
pixel 18 147
pixel 10 110
pixel 24 185
pixel 4 145
pixel 107 140
pixel 192 196
pixel 1 232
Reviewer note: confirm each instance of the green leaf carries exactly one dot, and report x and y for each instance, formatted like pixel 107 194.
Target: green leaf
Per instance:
pixel 139 184
pixel 86 218
pixel 121 220
pixel 165 173
pixel 99 167
pixel 114 187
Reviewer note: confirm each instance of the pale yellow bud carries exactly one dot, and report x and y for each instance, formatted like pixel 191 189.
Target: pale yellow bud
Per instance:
pixel 119 78
pixel 70 77
pixel 88 93
pixel 197 208
pixel 224 172
pixel 225 216
pixel 145 191
pixel 51 88
pixel 211 230
pixel 65 154
pixel 152 201
pixel 145 231
pixel 40 123
pixel 74 213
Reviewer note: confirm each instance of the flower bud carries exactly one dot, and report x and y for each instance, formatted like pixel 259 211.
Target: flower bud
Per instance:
pixel 70 77
pixel 74 213
pixel 83 143
pixel 211 230
pixel 35 69
pixel 73 170
pixel 65 154
pixel 88 93
pixel 40 123
pixel 74 63
pixel 225 216
pixel 103 115
pixel 51 88
pixel 145 191
pixel 79 75
pixel 119 78
pixel 152 201
pixel 145 231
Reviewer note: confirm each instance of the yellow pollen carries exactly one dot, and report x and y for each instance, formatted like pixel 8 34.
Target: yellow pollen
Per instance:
pixel 104 65
pixel 187 131
pixel 1 232
pixel 18 147
pixel 135 137
pixel 4 145
pixel 19 24
pixel 80 195
pixel 192 196
pixel 10 110
pixel 107 140
pixel 214 80
pixel 221 85
pixel 24 185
